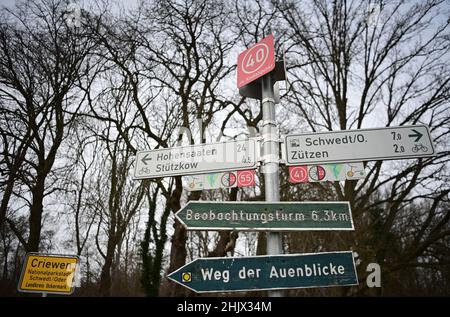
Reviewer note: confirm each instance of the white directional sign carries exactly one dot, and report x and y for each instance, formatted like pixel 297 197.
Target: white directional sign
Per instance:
pixel 196 159
pixel 358 145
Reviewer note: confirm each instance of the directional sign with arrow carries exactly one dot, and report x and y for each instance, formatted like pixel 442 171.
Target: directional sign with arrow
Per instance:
pixel 416 135
pixel 266 216
pixel 268 272
pixel 359 145
pixel 196 159
pixel 145 159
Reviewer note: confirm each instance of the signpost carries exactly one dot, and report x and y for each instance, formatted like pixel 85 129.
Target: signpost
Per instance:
pixel 266 216
pixel 268 272
pixel 196 159
pixel 359 145
pixel 48 274
pixel 257 74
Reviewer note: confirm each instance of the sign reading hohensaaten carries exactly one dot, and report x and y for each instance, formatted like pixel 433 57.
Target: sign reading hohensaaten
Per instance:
pixel 196 159
pixel 48 273
pixel 266 216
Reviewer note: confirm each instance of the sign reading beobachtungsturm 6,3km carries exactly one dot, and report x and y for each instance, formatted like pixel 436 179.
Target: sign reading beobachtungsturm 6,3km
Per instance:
pixel 268 272
pixel 359 145
pixel 266 216
pixel 196 159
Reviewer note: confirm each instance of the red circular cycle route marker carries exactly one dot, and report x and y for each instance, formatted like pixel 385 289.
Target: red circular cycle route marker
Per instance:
pixel 246 178
pixel 317 173
pixel 228 179
pixel 298 174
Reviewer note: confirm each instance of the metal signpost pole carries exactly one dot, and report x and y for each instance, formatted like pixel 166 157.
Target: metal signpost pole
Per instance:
pixel 271 163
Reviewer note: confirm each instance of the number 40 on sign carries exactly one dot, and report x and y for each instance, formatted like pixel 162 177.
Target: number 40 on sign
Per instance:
pixel 256 61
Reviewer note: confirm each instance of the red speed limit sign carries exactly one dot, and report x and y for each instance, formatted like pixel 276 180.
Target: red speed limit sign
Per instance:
pixel 256 61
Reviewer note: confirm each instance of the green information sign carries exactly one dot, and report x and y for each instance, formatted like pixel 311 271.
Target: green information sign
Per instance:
pixel 268 272
pixel 266 216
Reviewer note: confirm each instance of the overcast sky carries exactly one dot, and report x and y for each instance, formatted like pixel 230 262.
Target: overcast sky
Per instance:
pixel 7 3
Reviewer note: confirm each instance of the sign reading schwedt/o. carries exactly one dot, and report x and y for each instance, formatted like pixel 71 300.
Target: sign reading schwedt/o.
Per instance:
pixel 344 146
pixel 48 273
pixel 196 159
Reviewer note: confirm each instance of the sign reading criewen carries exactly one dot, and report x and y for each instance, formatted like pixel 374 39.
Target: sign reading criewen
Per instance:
pixel 48 273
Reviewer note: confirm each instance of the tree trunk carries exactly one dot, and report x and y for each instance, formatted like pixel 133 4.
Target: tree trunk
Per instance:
pixel 105 277
pixel 178 248
pixel 5 200
pixel 177 257
pixel 227 239
pixel 36 217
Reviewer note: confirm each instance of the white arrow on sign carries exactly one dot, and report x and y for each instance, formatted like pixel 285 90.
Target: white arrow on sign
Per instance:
pixel 358 145
pixel 196 159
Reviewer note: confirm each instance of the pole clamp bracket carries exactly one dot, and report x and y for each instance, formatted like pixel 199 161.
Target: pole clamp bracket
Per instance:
pixel 267 122
pixel 268 99
pixel 270 158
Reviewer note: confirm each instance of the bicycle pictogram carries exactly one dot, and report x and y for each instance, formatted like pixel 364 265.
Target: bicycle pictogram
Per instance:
pixel 144 170
pixel 419 147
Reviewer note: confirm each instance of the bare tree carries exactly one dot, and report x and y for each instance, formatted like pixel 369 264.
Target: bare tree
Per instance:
pixel 170 57
pixel 349 70
pixel 42 59
pixel 155 237
pixel 119 200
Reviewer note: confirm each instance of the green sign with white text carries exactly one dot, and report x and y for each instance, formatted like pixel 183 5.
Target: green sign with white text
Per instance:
pixel 268 272
pixel 266 216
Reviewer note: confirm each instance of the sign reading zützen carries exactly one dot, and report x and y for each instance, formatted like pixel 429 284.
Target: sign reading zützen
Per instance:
pixel 44 273
pixel 388 143
pixel 256 61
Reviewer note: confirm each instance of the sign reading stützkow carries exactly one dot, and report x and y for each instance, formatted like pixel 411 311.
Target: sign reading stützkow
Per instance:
pixel 196 159
pixel 359 145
